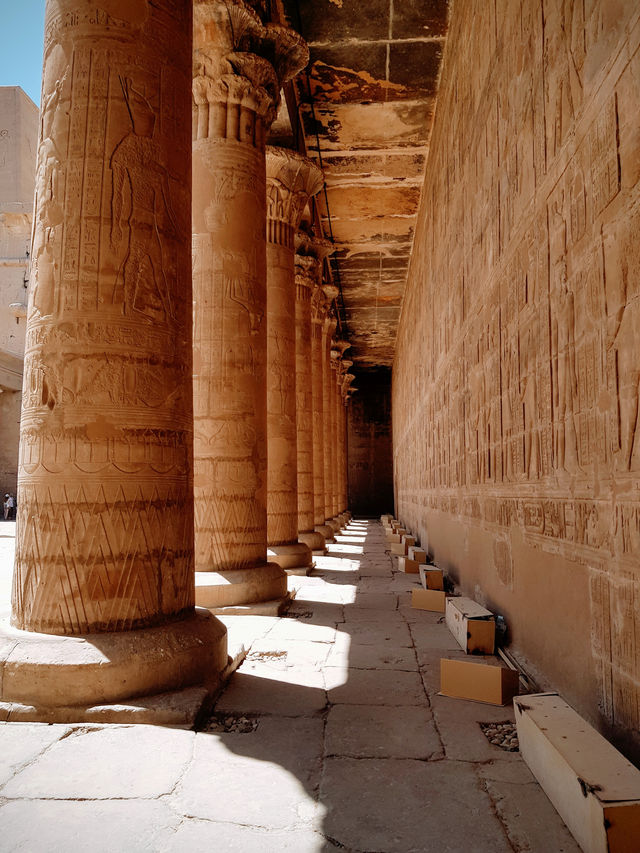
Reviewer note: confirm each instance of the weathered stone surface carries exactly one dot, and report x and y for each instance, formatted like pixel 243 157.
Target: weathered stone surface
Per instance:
pixel 265 760
pixel 386 798
pixel 515 394
pixel 103 826
pixel 20 743
pixel 75 767
pixel 234 838
pixel 368 732
pixel 373 687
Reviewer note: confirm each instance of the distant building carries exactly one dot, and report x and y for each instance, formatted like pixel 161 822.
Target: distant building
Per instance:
pixel 18 143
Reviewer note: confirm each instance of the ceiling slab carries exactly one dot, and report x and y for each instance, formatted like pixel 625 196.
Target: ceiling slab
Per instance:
pixel 366 106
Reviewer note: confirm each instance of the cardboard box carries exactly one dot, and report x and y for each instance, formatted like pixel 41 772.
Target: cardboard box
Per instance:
pixel 417 554
pixel 386 517
pixel 472 625
pixel 411 567
pixel 428 599
pixel 401 531
pixel 394 538
pixel 399 548
pixel 431 577
pixel 409 541
pixel 595 790
pixel 480 682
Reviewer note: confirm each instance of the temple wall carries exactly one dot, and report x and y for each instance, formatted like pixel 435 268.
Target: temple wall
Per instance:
pixel 517 373
pixel 369 459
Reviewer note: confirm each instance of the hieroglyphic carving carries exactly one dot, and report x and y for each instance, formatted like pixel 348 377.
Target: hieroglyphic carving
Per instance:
pixel 291 182
pixel 105 503
pixel 539 216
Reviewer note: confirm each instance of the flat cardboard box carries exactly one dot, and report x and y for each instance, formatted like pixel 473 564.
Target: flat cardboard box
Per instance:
pixel 479 682
pixel 428 599
pixel 409 541
pixel 411 567
pixel 401 531
pixel 431 577
pixel 472 625
pixel 417 554
pixel 394 538
pixel 595 790
pixel 399 548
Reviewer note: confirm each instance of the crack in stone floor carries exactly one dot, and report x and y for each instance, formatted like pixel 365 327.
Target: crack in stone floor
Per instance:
pixel 347 744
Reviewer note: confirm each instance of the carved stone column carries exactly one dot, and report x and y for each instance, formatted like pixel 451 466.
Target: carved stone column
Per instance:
pixel 103 593
pixel 335 432
pixel 319 311
pixel 339 348
pixel 344 392
pixel 329 412
pixel 239 66
pixel 310 254
pixel 291 181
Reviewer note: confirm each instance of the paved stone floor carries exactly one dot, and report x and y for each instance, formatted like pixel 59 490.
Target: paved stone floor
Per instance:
pixel 330 736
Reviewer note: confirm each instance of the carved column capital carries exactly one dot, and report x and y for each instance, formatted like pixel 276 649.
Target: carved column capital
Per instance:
pixel 306 276
pixel 239 66
pixel 319 307
pixel 291 181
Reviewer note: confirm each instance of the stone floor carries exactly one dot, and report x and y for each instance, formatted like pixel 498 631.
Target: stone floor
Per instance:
pixel 330 736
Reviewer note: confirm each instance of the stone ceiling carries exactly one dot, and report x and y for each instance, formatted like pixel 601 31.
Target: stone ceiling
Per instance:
pixel 366 106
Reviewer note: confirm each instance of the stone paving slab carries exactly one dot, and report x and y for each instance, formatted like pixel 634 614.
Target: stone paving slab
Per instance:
pixel 106 826
pixel 524 809
pixel 374 657
pixel 262 779
pixel 21 743
pixel 458 723
pixel 363 731
pixel 373 687
pixel 259 690
pixel 398 806
pixel 218 837
pixel 144 762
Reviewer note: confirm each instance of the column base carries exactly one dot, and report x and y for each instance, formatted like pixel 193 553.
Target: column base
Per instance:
pixel 314 541
pixel 275 607
pixel 240 587
pixel 295 558
pixel 328 533
pixel 56 677
pixel 334 524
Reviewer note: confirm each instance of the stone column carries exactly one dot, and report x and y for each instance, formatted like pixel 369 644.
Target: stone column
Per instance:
pixel 310 254
pixel 291 181
pixel 344 391
pixel 103 592
pixel 319 309
pixel 335 432
pixel 340 346
pixel 239 67
pixel 329 413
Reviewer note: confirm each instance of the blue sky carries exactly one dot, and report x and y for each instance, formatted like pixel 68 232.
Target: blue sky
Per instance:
pixel 21 38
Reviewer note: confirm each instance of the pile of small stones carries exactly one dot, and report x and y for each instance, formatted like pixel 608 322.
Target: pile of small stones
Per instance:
pixel 229 723
pixel 502 735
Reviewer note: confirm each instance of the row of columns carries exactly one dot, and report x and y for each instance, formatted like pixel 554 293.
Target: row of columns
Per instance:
pixel 114 459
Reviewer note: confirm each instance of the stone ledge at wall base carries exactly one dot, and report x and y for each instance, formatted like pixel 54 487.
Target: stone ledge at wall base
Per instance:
pixel 314 541
pixel 261 590
pixel 162 675
pixel 294 559
pixel 595 790
pixel 327 532
pixel 334 524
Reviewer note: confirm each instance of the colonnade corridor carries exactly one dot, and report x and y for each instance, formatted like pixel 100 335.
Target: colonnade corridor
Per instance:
pixel 331 735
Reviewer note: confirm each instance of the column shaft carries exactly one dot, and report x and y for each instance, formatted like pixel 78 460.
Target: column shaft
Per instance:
pixel 318 317
pixel 105 507
pixel 292 180
pixel 235 93
pixel 306 275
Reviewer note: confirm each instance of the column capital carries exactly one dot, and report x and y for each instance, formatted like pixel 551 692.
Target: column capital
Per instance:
pixel 306 275
pixel 330 291
pixel 291 181
pixel 319 306
pixel 239 61
pixel 310 245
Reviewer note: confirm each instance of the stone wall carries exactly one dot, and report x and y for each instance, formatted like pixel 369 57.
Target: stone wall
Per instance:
pixel 369 445
pixel 517 372
pixel 18 142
